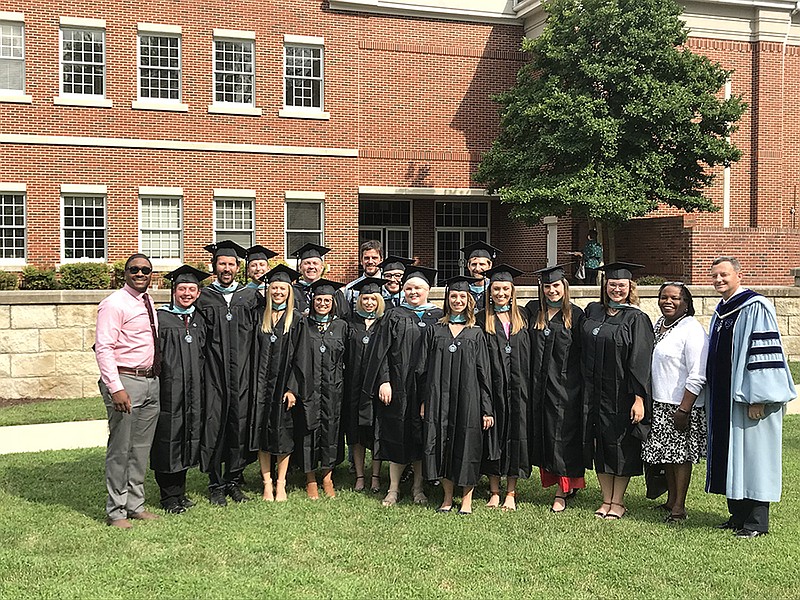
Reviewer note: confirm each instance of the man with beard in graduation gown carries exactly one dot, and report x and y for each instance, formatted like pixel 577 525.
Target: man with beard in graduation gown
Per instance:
pixel 230 312
pixel 479 257
pixel 393 269
pixel 181 333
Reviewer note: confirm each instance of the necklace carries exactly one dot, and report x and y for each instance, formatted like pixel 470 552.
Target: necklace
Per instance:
pixel 675 322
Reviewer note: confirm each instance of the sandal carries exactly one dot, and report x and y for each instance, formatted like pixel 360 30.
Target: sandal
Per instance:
pixel 494 499
pixel 665 507
pixel 444 509
pixel 359 487
pixel 614 516
pixel 390 499
pixel 510 503
pixel 312 490
pixel 676 518
pixel 559 507
pixel 376 487
pixel 600 513
pixel 419 496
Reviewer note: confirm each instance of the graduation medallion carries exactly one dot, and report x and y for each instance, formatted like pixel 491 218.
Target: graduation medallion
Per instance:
pixel 365 340
pixel 547 332
pixel 188 338
pixel 229 316
pixel 322 348
pixel 595 331
pixel 452 347
pixel 508 348
pixel 422 324
pixel 273 338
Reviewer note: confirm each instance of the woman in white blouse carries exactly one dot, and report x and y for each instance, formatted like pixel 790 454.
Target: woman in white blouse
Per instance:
pixel 678 434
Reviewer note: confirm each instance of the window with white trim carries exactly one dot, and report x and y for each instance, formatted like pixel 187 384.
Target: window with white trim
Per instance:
pixel 160 227
pixel 234 72
pixel 304 223
pixel 303 77
pixel 13 229
pixel 233 220
pixel 83 227
pixel 159 67
pixel 388 221
pixel 12 56
pixel 83 62
pixel 457 225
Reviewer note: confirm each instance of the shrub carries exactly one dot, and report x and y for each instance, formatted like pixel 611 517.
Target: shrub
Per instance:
pixel 8 281
pixel 650 280
pixel 201 266
pixel 118 274
pixel 85 276
pixel 34 278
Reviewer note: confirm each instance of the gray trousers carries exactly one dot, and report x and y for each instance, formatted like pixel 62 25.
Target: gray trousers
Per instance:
pixel 129 440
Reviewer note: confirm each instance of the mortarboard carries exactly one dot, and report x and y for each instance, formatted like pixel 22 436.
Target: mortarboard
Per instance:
pixel 186 274
pixel 502 273
pixel 480 249
pixel 426 273
pixel 324 287
pixel 258 252
pixel 552 274
pixel 396 263
pixel 226 248
pixel 460 283
pixel 619 270
pixel 369 285
pixel 280 273
pixel 310 251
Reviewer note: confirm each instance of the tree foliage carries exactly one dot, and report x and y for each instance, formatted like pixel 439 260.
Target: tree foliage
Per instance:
pixel 611 116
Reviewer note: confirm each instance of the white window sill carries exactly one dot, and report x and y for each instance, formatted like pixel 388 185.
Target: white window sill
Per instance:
pixel 72 261
pixel 16 97
pixel 167 105
pixel 294 113
pixel 83 101
pixel 233 109
pixel 165 265
pixel 12 265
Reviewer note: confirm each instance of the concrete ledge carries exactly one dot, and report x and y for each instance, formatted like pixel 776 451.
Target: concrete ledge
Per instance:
pixel 53 436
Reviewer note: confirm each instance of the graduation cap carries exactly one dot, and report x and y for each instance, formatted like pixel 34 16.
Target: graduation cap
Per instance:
pixel 280 273
pixel 480 249
pixel 396 263
pixel 324 287
pixel 226 248
pixel 186 274
pixel 369 285
pixel 260 253
pixel 310 251
pixel 502 273
pixel 460 283
pixel 619 270
pixel 552 274
pixel 426 273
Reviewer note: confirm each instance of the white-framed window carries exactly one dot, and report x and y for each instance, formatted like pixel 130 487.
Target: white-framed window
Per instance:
pixel 83 62
pixel 388 221
pixel 234 72
pixel 83 227
pixel 13 225
pixel 160 67
pixel 12 58
pixel 160 232
pixel 234 217
pixel 458 224
pixel 304 219
pixel 304 77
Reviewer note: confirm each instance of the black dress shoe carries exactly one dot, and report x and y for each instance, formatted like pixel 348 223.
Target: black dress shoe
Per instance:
pixel 746 534
pixel 174 507
pixel 727 525
pixel 217 497
pixel 236 493
pixel 186 502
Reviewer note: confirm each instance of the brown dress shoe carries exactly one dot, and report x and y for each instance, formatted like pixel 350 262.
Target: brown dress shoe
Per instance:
pixel 119 523
pixel 144 516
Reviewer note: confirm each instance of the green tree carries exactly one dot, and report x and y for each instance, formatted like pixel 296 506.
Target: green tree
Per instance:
pixel 611 116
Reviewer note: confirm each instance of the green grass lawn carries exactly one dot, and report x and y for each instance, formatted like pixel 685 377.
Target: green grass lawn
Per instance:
pixel 53 411
pixel 54 544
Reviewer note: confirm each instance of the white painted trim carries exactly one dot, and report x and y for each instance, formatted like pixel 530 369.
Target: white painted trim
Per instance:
pixel 235 34
pixel 299 113
pixel 89 101
pixel 83 23
pixel 111 142
pixel 298 195
pixel 13 264
pixel 233 193
pixel 234 109
pixel 416 10
pixel 158 28
pixel 171 106
pixel 550 220
pixel 15 97
pixel 157 190
pixel 381 190
pixel 13 188
pixel 14 17
pixel 304 40
pixel 80 188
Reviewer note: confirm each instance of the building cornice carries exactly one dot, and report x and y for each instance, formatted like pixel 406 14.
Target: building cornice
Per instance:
pixel 492 11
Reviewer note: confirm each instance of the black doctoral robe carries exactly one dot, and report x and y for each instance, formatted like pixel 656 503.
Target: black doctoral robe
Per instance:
pixel 357 412
pixel 511 391
pixel 272 425
pixel 457 395
pixel 318 382
pixel 230 349
pixel 396 359
pixel 616 352
pixel 558 411
pixel 176 445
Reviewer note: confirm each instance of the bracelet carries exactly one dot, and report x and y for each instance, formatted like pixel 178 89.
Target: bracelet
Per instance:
pixel 680 410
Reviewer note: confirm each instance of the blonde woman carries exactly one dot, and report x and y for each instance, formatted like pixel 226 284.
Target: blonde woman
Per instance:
pixel 273 426
pixel 509 345
pixel 617 344
pixel 557 406
pixel 457 400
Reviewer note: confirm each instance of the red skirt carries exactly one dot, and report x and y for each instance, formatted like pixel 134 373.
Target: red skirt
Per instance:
pixel 567 484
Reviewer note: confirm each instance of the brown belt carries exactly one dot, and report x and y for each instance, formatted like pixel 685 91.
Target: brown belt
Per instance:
pixel 137 372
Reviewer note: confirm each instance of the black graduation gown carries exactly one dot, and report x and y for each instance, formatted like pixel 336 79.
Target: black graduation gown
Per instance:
pixel 230 348
pixel 318 382
pixel 558 414
pixel 616 353
pixel 272 426
pixel 457 396
pixel 480 298
pixel 357 412
pixel 303 300
pixel 395 359
pixel 511 390
pixel 176 445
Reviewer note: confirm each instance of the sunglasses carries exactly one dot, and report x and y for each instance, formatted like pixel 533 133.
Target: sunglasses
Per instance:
pixel 144 270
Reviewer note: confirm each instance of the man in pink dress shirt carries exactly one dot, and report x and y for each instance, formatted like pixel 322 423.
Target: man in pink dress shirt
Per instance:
pixel 128 357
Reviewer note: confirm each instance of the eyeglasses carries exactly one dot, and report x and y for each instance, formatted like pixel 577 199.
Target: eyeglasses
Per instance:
pixel 144 270
pixel 392 275
pixel 673 283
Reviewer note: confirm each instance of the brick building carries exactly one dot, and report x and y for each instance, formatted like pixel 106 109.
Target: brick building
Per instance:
pixel 158 126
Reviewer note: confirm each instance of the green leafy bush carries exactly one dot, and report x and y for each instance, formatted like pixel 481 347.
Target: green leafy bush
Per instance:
pixel 8 281
pixel 118 274
pixel 85 276
pixel 650 280
pixel 34 278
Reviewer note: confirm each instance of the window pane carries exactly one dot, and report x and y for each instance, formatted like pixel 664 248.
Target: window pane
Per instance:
pixel 12 226
pixel 384 213
pixel 303 215
pixel 83 62
pixel 12 57
pixel 448 244
pixel 303 77
pixel 398 243
pixel 234 65
pixel 84 227
pixel 159 67
pixel 161 227
pixel 234 220
pixel 295 240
